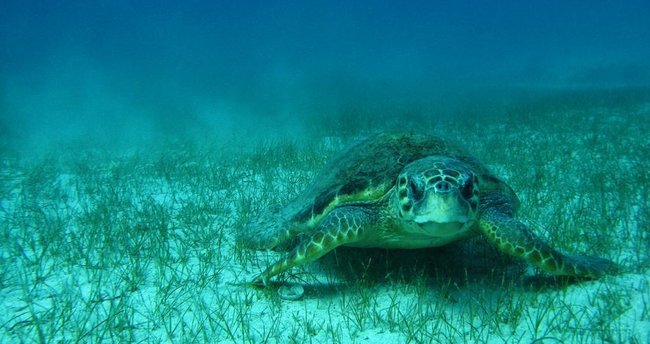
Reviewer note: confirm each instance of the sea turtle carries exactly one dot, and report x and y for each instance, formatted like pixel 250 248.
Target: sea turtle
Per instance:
pixel 404 191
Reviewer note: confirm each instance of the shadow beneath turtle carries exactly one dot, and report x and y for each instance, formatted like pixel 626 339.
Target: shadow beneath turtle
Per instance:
pixel 466 264
pixel 541 282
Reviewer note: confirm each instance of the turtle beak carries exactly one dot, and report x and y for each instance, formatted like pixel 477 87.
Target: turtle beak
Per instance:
pixel 436 229
pixel 441 208
pixel 445 218
pixel 442 216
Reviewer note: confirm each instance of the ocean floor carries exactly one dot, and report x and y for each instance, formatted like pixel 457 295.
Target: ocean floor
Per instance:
pixel 138 245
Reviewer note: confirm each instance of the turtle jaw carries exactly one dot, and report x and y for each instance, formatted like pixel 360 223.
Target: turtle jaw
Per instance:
pixel 441 218
pixel 441 208
pixel 441 229
pixel 442 221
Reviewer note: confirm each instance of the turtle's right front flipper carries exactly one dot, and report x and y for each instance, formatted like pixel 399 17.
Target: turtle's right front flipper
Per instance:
pixel 342 226
pixel 513 237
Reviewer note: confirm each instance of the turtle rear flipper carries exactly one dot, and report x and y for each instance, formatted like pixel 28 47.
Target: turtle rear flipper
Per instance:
pixel 514 238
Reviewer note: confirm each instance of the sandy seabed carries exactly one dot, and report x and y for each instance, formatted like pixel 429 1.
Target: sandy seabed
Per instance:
pixel 138 246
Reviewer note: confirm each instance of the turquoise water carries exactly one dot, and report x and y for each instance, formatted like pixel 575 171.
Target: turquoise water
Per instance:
pixel 116 71
pixel 137 139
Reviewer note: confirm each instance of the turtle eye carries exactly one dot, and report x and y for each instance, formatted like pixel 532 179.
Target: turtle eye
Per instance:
pixel 467 191
pixel 416 191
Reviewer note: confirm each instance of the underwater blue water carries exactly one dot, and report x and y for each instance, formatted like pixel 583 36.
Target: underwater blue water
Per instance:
pixel 119 70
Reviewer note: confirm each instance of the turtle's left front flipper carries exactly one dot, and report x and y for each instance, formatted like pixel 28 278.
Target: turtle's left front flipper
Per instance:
pixel 513 237
pixel 342 226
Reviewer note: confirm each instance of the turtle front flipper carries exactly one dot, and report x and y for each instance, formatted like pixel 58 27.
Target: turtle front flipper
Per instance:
pixel 513 237
pixel 342 226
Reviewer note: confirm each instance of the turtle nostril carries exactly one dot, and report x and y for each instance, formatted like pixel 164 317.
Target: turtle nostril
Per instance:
pixel 442 186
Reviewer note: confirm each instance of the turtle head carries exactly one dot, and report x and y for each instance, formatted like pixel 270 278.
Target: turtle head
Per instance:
pixel 437 195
